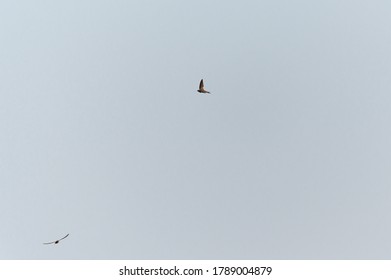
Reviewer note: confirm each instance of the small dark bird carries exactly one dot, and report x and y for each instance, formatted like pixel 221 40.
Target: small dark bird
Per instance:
pixel 57 241
pixel 201 87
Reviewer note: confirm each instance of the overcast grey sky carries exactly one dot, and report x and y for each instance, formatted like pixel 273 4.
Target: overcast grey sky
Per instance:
pixel 104 136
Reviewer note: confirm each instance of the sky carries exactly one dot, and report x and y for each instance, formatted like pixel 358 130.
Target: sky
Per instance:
pixel 104 136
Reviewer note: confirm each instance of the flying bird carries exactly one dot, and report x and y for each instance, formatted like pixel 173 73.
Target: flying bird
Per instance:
pixel 201 88
pixel 56 242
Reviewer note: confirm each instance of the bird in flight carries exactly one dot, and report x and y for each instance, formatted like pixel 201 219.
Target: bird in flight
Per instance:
pixel 57 241
pixel 201 87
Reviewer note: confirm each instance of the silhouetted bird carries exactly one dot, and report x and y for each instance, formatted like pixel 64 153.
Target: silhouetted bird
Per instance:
pixel 201 88
pixel 56 242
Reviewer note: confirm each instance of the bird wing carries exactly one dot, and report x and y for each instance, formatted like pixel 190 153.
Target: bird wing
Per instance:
pixel 64 237
pixel 49 243
pixel 202 84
